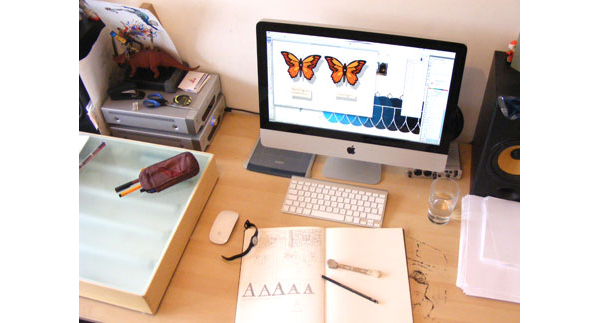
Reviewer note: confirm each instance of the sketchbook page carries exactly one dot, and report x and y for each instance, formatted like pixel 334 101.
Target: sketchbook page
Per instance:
pixel 280 277
pixel 376 249
pixel 501 232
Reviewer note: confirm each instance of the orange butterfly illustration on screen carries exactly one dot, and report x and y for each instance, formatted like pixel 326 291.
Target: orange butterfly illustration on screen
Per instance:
pixel 347 72
pixel 305 66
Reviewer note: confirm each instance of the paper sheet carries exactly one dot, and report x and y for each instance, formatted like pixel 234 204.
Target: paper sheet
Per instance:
pixel 141 23
pixel 476 277
pixel 501 234
pixel 97 72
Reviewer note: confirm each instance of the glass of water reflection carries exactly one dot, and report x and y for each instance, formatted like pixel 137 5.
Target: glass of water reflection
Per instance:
pixel 442 200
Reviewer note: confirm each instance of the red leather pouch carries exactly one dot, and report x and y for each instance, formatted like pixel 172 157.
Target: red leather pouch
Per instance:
pixel 169 172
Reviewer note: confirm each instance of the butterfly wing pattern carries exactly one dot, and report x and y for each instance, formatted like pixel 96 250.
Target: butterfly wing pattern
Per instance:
pixel 306 66
pixel 292 62
pixel 352 70
pixel 341 71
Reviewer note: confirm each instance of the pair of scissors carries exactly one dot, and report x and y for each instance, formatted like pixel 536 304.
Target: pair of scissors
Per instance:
pixel 156 100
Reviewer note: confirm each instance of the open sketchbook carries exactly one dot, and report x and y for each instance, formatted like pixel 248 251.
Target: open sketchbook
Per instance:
pixel 280 279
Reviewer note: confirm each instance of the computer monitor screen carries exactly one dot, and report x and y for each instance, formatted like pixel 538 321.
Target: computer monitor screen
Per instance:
pixel 356 95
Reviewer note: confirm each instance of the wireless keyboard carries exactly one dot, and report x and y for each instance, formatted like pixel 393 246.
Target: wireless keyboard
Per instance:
pixel 335 202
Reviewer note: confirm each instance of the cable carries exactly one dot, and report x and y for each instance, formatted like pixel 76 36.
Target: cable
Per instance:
pixel 241 110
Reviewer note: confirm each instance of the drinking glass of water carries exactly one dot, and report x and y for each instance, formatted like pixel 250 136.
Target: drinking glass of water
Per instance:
pixel 442 200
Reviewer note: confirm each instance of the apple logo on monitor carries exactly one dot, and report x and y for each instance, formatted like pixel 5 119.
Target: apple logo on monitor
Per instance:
pixel 351 150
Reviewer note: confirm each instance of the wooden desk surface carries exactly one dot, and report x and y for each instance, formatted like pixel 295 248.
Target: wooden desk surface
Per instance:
pixel 204 287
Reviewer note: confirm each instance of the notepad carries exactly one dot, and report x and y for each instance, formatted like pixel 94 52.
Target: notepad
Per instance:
pixel 280 279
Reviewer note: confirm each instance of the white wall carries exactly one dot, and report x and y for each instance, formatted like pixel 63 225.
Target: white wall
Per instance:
pixel 220 35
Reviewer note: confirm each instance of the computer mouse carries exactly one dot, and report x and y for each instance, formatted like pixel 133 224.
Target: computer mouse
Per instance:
pixel 223 226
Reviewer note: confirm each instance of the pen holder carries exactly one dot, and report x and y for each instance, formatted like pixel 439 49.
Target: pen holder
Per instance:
pixel 168 172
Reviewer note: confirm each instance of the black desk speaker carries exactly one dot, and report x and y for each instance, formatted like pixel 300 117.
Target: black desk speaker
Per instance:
pixel 496 146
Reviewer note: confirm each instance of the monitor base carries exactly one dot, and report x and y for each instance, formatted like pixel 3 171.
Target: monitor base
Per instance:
pixel 352 170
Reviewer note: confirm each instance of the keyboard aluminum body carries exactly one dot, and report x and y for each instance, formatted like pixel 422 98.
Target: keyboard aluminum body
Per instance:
pixel 337 202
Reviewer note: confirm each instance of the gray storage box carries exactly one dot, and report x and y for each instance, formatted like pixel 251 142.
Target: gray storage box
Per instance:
pixel 199 141
pixel 169 119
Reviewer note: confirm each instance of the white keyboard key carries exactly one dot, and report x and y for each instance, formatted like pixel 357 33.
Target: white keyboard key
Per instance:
pixel 374 217
pixel 332 216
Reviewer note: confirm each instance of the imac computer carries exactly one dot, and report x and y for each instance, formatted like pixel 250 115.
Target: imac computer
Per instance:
pixel 360 98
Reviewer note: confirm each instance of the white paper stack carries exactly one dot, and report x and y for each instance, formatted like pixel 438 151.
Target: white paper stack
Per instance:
pixel 489 260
